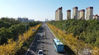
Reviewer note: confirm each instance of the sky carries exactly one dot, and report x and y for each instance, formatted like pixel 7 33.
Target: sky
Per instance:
pixel 42 9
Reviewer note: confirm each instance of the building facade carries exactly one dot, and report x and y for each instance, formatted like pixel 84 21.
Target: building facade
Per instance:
pixel 75 13
pixel 68 14
pixel 59 14
pixel 82 14
pixel 89 13
pixel 96 17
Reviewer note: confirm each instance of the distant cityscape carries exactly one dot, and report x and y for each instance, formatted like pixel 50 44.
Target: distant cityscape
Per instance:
pixel 25 20
pixel 77 14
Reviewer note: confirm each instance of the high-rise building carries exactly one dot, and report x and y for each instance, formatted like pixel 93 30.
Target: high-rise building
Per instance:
pixel 89 13
pixel 82 14
pixel 96 17
pixel 75 13
pixel 59 14
pixel 68 14
pixel 78 15
pixel 56 17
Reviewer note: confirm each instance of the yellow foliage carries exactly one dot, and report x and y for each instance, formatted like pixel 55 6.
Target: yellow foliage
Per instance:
pixel 72 42
pixel 12 46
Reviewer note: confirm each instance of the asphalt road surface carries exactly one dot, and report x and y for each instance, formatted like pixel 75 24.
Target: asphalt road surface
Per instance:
pixel 43 41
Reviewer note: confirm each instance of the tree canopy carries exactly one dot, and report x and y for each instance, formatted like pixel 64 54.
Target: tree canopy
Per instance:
pixel 86 30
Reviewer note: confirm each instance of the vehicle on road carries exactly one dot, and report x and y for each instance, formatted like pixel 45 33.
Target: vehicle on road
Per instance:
pixel 58 45
pixel 40 52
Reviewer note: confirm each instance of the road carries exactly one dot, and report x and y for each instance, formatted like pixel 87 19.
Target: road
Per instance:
pixel 43 41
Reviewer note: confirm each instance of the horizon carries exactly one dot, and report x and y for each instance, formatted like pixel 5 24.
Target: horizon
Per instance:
pixel 41 10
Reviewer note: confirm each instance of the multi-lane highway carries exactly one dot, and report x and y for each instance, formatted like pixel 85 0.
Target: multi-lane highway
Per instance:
pixel 43 41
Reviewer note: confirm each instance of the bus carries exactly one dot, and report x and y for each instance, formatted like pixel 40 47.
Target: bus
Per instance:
pixel 58 45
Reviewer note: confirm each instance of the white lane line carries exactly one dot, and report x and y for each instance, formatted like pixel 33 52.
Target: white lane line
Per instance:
pixel 45 46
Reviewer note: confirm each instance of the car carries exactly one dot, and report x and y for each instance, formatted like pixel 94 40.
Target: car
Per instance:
pixel 40 52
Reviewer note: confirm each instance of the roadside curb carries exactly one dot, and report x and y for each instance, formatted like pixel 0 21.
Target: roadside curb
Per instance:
pixel 32 43
pixel 51 31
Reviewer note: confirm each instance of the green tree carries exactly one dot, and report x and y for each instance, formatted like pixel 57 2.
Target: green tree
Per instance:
pixel 4 35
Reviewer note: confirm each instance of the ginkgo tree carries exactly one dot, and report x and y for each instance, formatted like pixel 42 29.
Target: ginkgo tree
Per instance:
pixel 72 42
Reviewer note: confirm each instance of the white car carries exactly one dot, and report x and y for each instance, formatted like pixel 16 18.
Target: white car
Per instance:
pixel 40 52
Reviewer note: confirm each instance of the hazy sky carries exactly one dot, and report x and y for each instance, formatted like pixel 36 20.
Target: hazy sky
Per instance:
pixel 41 9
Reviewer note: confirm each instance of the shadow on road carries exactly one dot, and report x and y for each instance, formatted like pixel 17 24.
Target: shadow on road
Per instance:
pixel 69 51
